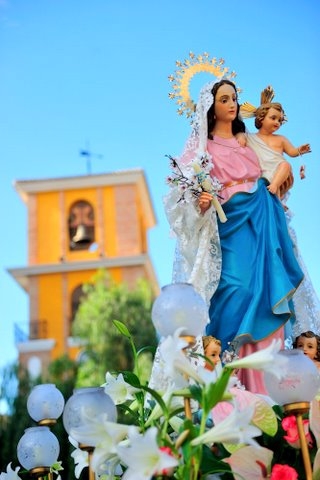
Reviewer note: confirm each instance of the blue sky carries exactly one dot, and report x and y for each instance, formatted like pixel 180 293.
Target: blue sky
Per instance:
pixel 82 73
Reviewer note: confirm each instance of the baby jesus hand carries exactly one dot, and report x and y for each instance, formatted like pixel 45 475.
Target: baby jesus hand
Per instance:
pixel 241 139
pixel 304 149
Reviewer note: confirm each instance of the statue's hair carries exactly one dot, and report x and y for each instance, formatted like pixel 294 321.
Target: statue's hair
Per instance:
pixel 207 339
pixel 237 124
pixel 262 111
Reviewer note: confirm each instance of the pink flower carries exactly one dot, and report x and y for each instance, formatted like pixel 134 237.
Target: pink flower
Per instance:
pixel 289 424
pixel 283 472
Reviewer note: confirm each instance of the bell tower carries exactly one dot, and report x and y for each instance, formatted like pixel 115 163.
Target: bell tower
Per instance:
pixel 77 225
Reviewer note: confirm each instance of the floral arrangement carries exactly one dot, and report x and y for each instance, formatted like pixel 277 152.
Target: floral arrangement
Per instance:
pixel 196 179
pixel 226 432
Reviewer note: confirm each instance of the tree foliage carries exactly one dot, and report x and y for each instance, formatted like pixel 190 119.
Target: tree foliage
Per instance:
pixel 15 419
pixel 105 348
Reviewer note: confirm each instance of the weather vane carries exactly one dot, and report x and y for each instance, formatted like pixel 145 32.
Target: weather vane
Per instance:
pixel 86 152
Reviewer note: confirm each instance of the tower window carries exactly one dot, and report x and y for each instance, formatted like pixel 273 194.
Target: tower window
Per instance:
pixel 81 225
pixel 76 297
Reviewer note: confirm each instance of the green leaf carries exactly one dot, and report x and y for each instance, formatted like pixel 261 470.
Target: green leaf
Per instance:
pixel 132 379
pixel 211 463
pixel 148 348
pixel 156 396
pixel 196 392
pixel 220 386
pixel 122 328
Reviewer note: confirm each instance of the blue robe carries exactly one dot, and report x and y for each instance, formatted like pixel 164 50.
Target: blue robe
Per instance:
pixel 260 272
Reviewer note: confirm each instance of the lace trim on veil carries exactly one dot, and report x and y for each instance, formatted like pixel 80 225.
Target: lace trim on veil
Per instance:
pixel 305 300
pixel 197 257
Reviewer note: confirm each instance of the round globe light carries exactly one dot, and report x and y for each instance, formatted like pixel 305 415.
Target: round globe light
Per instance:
pixel 45 402
pixel 38 447
pixel 86 403
pixel 300 382
pixel 179 305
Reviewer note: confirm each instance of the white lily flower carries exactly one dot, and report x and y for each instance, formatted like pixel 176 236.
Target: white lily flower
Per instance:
pixel 175 360
pixel 102 435
pixel 267 359
pixel 250 463
pixel 98 430
pixel 118 389
pixel 236 428
pixel 80 457
pixel 209 376
pixel 144 458
pixel 176 423
pixel 10 474
pixel 172 402
pixel 108 460
pixel 102 455
pixel 109 469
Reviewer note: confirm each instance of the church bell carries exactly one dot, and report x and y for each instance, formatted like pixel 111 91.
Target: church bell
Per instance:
pixel 82 235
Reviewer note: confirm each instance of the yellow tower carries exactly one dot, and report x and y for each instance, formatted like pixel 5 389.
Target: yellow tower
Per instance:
pixel 77 225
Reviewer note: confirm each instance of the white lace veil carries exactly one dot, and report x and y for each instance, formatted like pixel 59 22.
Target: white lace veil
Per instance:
pixel 196 144
pixel 198 255
pixel 200 123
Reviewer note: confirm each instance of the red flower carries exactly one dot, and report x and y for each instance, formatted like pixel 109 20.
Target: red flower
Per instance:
pixel 283 472
pixel 289 424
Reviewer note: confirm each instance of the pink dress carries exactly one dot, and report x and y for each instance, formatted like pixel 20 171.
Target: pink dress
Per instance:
pixel 235 166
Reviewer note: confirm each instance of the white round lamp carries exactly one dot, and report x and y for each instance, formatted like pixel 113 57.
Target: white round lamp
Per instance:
pixel 300 382
pixel 38 450
pixel 179 305
pixel 88 402
pixel 45 403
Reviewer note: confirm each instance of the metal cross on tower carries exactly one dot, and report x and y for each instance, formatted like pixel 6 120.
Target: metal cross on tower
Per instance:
pixel 86 152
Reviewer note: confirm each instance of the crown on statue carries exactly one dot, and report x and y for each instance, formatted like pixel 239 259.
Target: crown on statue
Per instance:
pixel 186 70
pixel 248 110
